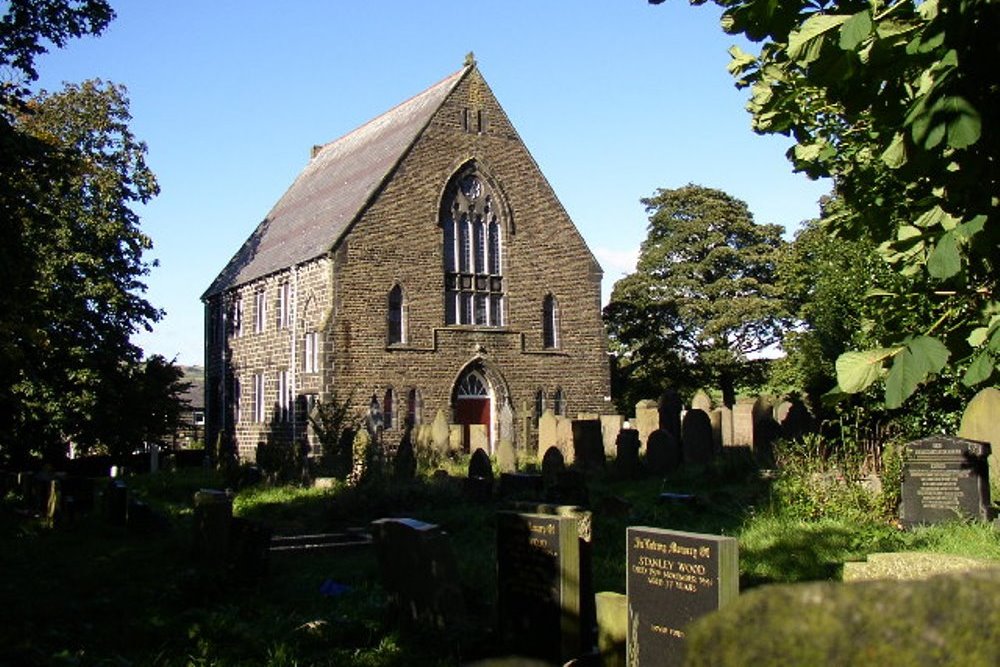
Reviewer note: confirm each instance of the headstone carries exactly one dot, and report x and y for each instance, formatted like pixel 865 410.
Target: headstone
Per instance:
pixel 506 419
pixel 552 466
pixel 663 452
pixel 696 440
pixel 945 478
pixel 479 485
pixel 506 456
pixel 610 426
pixel 627 458
pixel 564 439
pixel 538 585
pixel 419 571
pixel 404 463
pixel 727 433
pixel 249 549
pixel 715 419
pixel 456 438
pixel 743 423
pixel 612 628
pixel 673 578
pixel 588 445
pixel 570 488
pixel 546 433
pixel 479 438
pixel 701 401
pixel 213 514
pixel 981 421
pixel 440 433
pixel 670 406
pixel 647 420
pixel 793 418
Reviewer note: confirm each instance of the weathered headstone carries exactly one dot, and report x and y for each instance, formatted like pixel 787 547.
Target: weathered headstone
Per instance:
pixel 945 478
pixel 479 438
pixel 715 419
pixel 627 458
pixel 726 427
pixel 479 485
pixel 793 417
pixel 538 585
pixel 456 438
pixel 981 421
pixel 506 456
pixel 588 446
pixel 564 439
pixel 440 433
pixel 647 420
pixel 701 401
pixel 612 628
pixel 506 419
pixel 419 571
pixel 404 463
pixel 546 433
pixel 674 578
pixel 610 426
pixel 743 423
pixel 696 438
pixel 663 452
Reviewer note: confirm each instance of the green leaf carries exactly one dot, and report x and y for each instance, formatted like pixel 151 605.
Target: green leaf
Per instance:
pixel 805 43
pixel 895 155
pixel 969 229
pixel 741 60
pixel 979 370
pixel 977 337
pixel 930 217
pixel 944 260
pixel 964 123
pixel 856 371
pixel 877 291
pixel 855 30
pixel 922 356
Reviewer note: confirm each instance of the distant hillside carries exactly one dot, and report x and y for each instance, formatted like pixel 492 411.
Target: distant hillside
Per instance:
pixel 195 395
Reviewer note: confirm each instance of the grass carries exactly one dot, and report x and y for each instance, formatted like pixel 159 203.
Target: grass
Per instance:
pixel 89 593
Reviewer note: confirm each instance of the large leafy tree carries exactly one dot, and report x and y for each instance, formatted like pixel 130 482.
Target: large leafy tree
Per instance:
pixel 896 101
pixel 73 265
pixel 704 296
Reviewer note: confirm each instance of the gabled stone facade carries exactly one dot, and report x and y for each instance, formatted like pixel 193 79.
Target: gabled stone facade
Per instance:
pixel 420 263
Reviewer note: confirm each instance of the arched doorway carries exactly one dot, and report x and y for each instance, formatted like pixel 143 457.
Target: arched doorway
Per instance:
pixel 474 406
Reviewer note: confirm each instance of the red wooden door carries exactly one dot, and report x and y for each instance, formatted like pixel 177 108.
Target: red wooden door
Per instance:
pixel 469 410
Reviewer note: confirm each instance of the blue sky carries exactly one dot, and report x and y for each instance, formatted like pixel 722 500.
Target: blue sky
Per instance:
pixel 614 99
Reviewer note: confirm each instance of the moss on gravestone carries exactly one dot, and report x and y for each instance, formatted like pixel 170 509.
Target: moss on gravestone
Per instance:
pixel 944 620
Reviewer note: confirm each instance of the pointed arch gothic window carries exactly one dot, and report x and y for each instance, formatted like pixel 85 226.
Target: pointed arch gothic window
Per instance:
pixel 473 252
pixel 550 322
pixel 396 319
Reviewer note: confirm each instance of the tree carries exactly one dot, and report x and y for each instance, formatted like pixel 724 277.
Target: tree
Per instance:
pixel 704 294
pixel 896 102
pixel 72 258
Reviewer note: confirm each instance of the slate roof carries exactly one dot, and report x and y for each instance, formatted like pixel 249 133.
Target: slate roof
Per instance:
pixel 332 190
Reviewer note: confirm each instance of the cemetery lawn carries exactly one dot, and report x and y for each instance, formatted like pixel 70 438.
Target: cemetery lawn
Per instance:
pixel 89 593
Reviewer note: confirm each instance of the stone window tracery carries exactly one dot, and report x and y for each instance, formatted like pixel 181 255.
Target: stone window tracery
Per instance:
pixel 473 253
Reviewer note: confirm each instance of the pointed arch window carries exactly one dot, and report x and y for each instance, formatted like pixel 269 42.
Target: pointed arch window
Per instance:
pixel 539 404
pixel 396 317
pixel 414 408
pixel 550 322
pixel 559 402
pixel 473 253
pixel 389 409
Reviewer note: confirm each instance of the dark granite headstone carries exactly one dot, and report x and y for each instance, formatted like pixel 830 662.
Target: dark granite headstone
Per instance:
pixel 663 452
pixel 696 438
pixel 538 585
pixel 627 453
pixel 553 465
pixel 670 407
pixel 945 478
pixel 674 578
pixel 479 485
pixel 588 444
pixel 213 514
pixel 419 571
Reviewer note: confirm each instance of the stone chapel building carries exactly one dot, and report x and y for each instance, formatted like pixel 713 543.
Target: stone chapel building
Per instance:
pixel 420 263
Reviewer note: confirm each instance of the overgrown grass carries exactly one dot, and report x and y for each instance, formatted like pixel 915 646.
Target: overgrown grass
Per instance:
pixel 88 593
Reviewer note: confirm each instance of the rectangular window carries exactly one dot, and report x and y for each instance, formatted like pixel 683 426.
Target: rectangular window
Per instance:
pixel 238 317
pixel 260 311
pixel 284 305
pixel 258 397
pixel 496 310
pixel 466 308
pixel 310 362
pixel 481 309
pixel 237 412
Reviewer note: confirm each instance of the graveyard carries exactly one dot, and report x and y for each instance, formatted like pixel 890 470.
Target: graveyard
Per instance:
pixel 470 562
